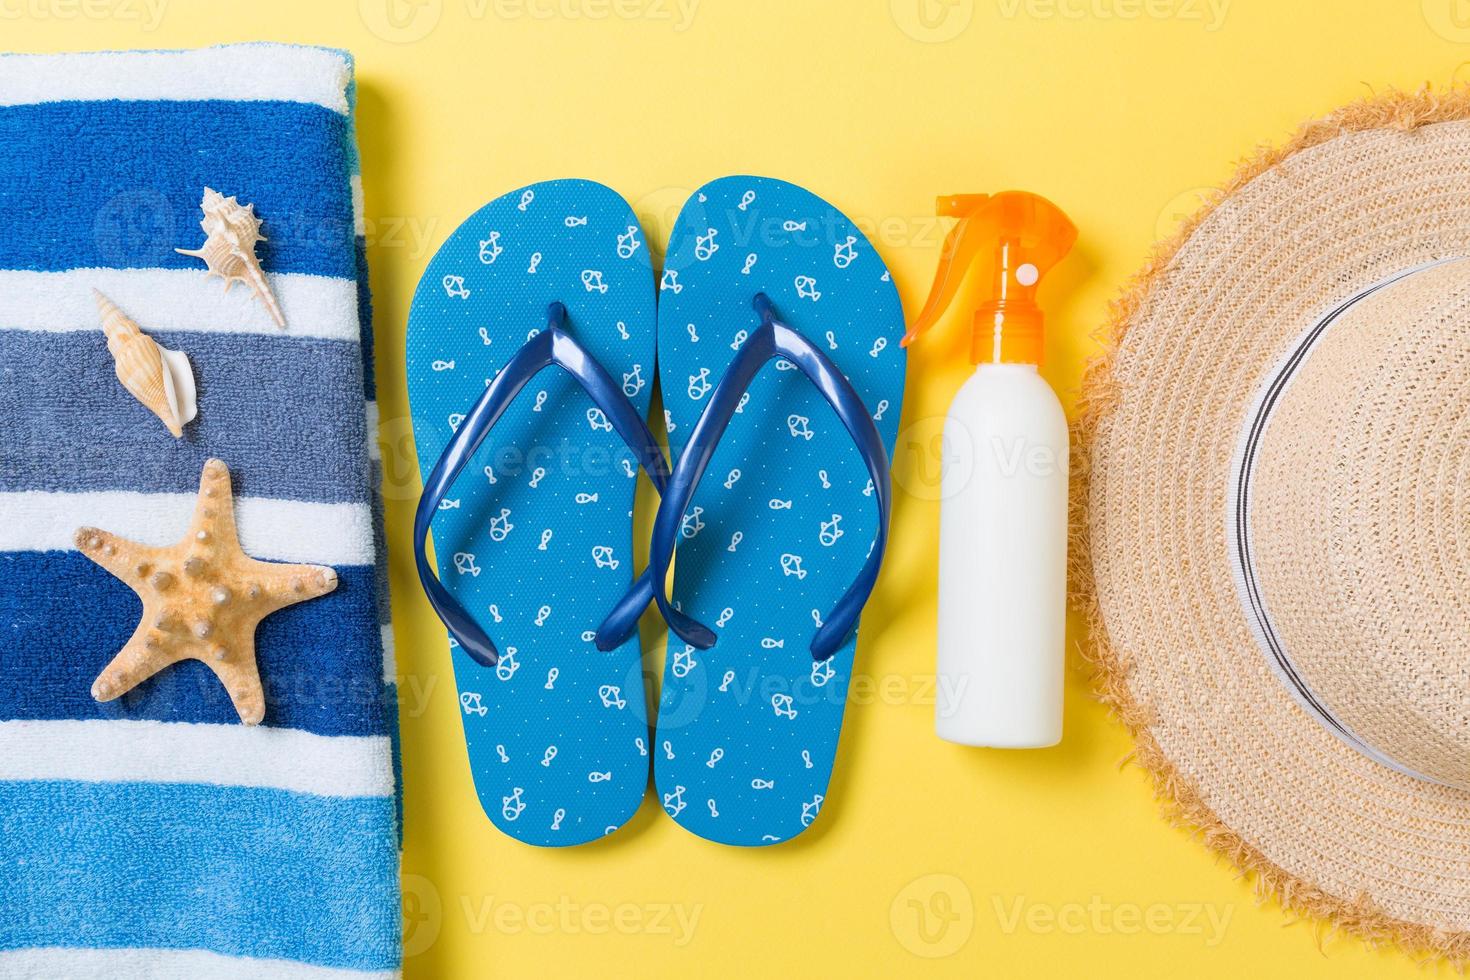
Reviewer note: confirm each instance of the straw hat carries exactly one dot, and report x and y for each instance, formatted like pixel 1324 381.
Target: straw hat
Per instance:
pixel 1272 520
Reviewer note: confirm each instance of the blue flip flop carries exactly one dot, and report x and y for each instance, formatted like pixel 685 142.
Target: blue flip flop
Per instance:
pixel 780 544
pixel 531 498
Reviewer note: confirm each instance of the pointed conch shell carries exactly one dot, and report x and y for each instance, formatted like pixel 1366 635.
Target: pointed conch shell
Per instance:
pixel 232 230
pixel 158 377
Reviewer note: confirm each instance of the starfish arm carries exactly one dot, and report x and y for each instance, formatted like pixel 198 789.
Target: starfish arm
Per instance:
pixel 240 675
pixel 128 560
pixel 285 585
pixel 214 511
pixel 145 654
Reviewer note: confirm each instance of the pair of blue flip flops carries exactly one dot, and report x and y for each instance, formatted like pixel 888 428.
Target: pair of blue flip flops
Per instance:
pixel 774 330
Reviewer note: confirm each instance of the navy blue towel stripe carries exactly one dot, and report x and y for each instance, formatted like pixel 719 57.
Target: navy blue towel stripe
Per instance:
pixel 365 323
pixel 239 871
pixel 285 413
pixel 117 184
pixel 321 661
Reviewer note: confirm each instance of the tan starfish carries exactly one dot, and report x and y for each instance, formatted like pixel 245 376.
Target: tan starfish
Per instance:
pixel 202 599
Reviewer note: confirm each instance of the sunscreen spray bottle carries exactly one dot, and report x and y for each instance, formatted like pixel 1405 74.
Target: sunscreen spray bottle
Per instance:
pixel 1003 518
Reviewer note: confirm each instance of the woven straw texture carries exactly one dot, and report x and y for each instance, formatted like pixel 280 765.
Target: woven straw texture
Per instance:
pixel 1359 521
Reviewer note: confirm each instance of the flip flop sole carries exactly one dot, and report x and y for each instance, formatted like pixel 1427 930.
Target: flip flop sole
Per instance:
pixel 535 538
pixel 783 521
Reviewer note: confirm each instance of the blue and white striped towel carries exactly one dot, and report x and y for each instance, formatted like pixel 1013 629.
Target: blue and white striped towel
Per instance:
pixel 155 836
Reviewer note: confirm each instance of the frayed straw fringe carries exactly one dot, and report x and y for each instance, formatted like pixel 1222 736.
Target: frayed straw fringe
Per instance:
pixel 1181 800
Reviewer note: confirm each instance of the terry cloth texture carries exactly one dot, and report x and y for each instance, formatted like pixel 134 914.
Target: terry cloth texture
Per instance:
pixel 155 836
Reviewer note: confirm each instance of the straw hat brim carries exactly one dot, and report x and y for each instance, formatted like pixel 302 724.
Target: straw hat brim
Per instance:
pixel 1375 188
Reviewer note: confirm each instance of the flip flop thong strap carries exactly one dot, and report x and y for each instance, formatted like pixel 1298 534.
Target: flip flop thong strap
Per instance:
pixel 772 340
pixel 553 346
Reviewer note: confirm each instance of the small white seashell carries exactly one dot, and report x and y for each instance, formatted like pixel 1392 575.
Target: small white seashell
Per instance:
pixel 232 230
pixel 158 377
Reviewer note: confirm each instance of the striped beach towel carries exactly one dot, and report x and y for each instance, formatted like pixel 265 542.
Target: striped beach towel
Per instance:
pixel 156 836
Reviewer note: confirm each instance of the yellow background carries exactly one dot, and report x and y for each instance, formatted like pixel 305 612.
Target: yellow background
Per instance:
pixel 1039 863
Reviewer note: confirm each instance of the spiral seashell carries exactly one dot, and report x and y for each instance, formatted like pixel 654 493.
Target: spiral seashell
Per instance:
pixel 158 377
pixel 231 231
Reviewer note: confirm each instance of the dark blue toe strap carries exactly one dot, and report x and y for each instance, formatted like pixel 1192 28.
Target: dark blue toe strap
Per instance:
pixel 773 339
pixel 551 346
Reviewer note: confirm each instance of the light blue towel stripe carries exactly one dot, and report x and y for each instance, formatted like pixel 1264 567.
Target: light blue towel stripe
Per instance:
pixel 256 872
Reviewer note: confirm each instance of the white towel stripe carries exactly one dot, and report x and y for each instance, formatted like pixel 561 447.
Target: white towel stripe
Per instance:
pixel 390 656
pixel 239 72
pixel 164 964
pixel 178 299
pixel 271 529
pixel 359 207
pixel 122 751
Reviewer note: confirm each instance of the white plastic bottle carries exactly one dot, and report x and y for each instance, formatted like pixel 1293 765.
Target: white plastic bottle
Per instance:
pixel 1003 562
pixel 1003 520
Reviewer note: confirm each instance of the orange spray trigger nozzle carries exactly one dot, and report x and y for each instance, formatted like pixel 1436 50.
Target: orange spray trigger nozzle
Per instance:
pixel 1025 235
pixel 953 262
